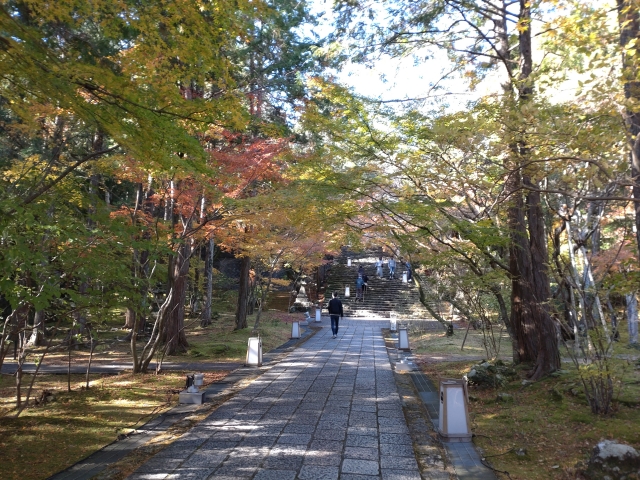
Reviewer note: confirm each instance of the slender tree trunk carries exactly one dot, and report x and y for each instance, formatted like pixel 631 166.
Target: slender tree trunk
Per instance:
pixel 37 334
pixel 243 294
pixel 208 285
pixel 194 303
pixel 631 301
pixel 251 299
pixel 265 291
pixel 149 350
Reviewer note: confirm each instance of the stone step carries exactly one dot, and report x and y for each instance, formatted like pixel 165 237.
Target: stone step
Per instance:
pixel 385 298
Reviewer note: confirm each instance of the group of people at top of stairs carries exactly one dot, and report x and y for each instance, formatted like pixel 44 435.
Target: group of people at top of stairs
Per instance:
pixel 361 281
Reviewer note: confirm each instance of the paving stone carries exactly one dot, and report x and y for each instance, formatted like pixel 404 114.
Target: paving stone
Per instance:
pixel 339 418
pixel 357 430
pixel 353 476
pixel 299 428
pixel 363 422
pixel 395 438
pixel 394 428
pixel 304 418
pixel 396 449
pixel 283 462
pixel 275 475
pixel 259 441
pixel 397 462
pixel 401 475
pixel 363 408
pixel 324 425
pixel 294 438
pixel 362 441
pixel 191 474
pixel 312 472
pixel 322 457
pixel 215 444
pixel 330 434
pixel 173 451
pixel 159 465
pixel 234 471
pixel 362 453
pixel 361 467
pixel 205 459
pixel 147 476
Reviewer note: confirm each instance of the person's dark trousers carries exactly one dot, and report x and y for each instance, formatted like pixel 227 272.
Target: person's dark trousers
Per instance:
pixel 334 324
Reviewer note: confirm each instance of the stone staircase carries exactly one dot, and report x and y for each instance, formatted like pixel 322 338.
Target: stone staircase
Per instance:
pixel 385 298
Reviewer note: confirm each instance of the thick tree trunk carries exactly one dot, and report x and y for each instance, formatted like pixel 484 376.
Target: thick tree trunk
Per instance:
pixel 629 21
pixel 129 318
pixel 548 357
pixel 519 268
pixel 533 326
pixel 174 336
pixel 208 284
pixel 243 294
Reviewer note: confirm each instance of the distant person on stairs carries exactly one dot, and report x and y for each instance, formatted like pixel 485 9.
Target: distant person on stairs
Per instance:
pixel 408 265
pixel 379 267
pixel 360 288
pixel 392 268
pixel 335 312
pixel 365 285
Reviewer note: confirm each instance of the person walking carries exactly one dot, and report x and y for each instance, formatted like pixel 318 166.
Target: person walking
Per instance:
pixel 359 288
pixel 408 265
pixel 365 285
pixel 335 313
pixel 379 267
pixel 392 268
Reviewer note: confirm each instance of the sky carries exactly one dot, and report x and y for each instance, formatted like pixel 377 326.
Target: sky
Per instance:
pixel 393 79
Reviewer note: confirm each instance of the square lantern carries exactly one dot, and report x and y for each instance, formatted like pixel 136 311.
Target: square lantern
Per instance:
pixel 403 339
pixel 254 352
pixel 295 330
pixel 453 420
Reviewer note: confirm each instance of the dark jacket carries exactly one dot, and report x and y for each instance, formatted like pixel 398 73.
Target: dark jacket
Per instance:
pixel 335 307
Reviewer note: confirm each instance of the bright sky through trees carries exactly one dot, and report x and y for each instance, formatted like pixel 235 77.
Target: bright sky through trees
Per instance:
pixel 427 75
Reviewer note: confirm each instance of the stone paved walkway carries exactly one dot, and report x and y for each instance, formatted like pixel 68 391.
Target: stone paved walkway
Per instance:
pixel 330 410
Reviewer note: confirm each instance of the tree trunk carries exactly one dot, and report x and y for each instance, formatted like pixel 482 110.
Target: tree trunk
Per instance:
pixel 632 317
pixel 251 299
pixel 194 300
pixel 548 357
pixel 628 16
pixel 533 326
pixel 129 318
pixel 243 294
pixel 174 337
pixel 629 21
pixel 208 284
pixel 37 334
